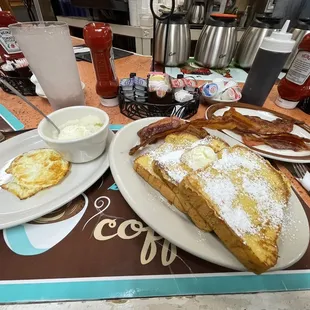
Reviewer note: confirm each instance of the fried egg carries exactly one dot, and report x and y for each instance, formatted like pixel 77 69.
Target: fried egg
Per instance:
pixel 34 171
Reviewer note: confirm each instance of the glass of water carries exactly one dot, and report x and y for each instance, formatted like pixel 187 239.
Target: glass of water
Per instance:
pixel 47 47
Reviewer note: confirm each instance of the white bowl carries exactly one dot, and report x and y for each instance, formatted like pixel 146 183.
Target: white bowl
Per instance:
pixel 79 150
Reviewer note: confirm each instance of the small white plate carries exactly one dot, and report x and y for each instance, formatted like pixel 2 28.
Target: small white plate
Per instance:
pixel 14 211
pixel 266 150
pixel 211 101
pixel 171 224
pixel 227 101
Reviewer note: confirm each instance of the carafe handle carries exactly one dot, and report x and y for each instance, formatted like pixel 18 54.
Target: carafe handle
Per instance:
pixel 155 16
pixel 208 9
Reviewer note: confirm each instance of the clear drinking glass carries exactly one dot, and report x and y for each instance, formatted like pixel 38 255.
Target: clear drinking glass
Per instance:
pixel 47 47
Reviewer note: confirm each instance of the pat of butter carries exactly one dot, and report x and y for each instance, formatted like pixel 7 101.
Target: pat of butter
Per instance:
pixel 198 157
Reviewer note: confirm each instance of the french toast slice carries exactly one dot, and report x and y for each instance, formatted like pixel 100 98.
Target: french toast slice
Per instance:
pixel 143 164
pixel 172 167
pixel 242 197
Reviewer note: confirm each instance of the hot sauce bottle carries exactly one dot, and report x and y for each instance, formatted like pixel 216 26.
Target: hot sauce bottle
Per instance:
pixel 295 86
pixel 98 37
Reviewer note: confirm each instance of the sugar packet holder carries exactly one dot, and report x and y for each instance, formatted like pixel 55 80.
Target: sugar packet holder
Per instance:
pixel 126 84
pixel 140 83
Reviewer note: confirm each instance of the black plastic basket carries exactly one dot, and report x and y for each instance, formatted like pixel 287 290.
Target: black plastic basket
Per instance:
pixel 22 84
pixel 136 110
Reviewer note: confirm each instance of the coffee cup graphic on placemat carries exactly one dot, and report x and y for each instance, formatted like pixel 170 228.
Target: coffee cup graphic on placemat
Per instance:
pixel 42 234
pixel 69 210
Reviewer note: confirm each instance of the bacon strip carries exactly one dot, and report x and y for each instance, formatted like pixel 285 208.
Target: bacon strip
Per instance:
pixel 187 127
pixel 159 126
pixel 281 141
pixel 254 130
pixel 157 136
pixel 254 124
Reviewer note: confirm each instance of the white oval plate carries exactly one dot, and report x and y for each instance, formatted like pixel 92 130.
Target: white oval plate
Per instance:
pixel 14 211
pixel 171 224
pixel 266 150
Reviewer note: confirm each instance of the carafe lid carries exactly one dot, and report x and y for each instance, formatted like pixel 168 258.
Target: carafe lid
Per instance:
pixel 175 18
pixel 264 21
pixel 222 20
pixel 303 24
pixel 279 41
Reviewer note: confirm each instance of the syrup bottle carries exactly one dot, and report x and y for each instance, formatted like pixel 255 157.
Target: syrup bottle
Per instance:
pixel 267 65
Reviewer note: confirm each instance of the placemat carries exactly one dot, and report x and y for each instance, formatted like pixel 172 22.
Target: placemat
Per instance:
pixel 96 247
pixel 8 121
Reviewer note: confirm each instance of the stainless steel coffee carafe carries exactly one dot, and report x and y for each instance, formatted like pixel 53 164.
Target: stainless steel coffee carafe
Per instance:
pixel 187 4
pixel 301 29
pixel 252 39
pixel 197 12
pixel 216 44
pixel 178 40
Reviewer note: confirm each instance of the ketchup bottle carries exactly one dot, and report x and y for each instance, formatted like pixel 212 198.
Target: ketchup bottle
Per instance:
pixel 9 49
pixel 295 86
pixel 98 37
pixel 12 60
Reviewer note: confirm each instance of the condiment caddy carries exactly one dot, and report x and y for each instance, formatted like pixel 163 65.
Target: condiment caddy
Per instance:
pixel 158 95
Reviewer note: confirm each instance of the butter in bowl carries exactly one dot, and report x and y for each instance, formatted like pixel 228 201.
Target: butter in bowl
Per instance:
pixel 83 133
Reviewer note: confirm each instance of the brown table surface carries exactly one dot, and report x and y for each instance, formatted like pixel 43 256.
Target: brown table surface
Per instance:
pixel 124 66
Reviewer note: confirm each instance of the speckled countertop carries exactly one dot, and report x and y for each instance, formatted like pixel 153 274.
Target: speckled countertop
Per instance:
pixel 124 66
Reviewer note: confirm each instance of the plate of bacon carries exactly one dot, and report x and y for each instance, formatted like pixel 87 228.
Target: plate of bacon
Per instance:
pixel 271 134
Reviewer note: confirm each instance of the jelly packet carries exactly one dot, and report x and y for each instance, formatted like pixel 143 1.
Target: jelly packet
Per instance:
pixel 177 84
pixel 160 83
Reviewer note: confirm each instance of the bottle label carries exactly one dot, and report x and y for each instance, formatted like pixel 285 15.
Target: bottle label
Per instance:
pixel 8 42
pixel 112 63
pixel 299 71
pixel 286 104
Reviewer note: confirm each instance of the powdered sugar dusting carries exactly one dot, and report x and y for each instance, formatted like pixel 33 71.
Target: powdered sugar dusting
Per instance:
pixel 222 191
pixel 172 157
pixel 162 150
pixel 233 161
pixel 223 188
pixel 290 225
pixel 177 174
pixel 204 141
pixel 269 209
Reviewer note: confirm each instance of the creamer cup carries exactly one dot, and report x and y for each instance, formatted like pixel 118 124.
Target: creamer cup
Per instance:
pixel 210 90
